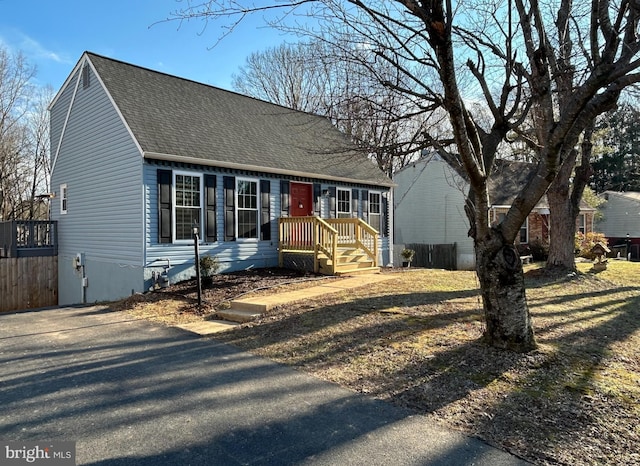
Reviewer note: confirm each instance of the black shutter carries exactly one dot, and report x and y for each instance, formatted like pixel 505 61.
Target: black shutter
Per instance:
pixel 384 215
pixel 265 210
pixel 285 199
pixel 364 194
pixel 332 202
pixel 229 185
pixel 164 206
pixel 210 224
pixel 355 200
pixel 317 196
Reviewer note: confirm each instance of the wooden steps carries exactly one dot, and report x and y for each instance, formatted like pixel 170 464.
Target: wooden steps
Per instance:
pixel 349 261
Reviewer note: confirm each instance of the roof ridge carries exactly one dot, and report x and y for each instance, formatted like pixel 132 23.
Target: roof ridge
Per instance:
pixel 193 81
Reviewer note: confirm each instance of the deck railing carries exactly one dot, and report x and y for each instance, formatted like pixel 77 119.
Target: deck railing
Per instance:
pixel 325 236
pixel 356 233
pixel 28 238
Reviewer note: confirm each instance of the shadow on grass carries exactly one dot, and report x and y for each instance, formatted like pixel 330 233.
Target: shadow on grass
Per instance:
pixel 426 356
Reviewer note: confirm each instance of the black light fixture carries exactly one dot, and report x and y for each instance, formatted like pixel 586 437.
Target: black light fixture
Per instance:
pixel 197 261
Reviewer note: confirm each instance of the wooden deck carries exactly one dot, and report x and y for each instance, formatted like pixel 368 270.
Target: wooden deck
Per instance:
pixel 337 246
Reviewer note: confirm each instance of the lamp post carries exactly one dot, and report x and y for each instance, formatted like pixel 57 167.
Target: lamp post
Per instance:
pixel 197 262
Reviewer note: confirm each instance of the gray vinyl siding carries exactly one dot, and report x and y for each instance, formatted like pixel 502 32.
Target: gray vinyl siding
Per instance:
pixel 429 208
pixel 233 255
pixel 621 215
pixel 102 167
pixel 58 114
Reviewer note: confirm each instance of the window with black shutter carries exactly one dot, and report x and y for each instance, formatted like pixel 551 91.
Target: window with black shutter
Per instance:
pixel 265 210
pixel 164 206
pixel 229 185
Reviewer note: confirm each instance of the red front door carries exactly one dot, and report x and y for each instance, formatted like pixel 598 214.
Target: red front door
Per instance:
pixel 301 199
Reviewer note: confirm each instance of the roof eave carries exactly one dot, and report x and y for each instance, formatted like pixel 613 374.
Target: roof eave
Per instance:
pixel 275 171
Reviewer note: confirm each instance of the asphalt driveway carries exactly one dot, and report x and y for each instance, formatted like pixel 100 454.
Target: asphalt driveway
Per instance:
pixel 131 392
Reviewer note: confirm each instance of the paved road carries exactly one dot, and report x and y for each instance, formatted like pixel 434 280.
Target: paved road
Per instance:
pixel 130 392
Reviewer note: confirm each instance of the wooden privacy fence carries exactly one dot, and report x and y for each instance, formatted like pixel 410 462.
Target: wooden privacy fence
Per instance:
pixel 28 264
pixel 434 256
pixel 28 282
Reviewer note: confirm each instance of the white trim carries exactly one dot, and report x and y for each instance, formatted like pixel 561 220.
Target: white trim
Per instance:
pixel 380 214
pixel 115 106
pixel 66 120
pixel 84 60
pixel 257 168
pixel 64 199
pixel 583 222
pixel 257 210
pixel 348 203
pixel 174 205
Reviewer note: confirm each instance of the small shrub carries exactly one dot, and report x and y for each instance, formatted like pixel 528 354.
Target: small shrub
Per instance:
pixel 539 250
pixel 407 254
pixel 584 243
pixel 209 266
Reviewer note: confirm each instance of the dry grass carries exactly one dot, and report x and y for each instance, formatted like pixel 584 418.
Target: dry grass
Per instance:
pixel 413 341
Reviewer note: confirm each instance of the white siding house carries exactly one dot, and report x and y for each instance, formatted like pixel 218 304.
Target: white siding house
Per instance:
pixel 620 220
pixel 429 208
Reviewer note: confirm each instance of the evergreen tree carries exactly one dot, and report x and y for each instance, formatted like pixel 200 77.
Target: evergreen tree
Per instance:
pixel 618 168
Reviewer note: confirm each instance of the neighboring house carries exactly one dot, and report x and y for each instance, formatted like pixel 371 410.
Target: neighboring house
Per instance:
pixel 429 206
pixel 139 157
pixel 620 220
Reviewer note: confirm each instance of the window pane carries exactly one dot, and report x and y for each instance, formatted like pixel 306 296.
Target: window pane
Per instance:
pixel 247 224
pixel 187 210
pixel 374 221
pixel 187 190
pixel 374 203
pixel 185 218
pixel 343 203
pixel 247 208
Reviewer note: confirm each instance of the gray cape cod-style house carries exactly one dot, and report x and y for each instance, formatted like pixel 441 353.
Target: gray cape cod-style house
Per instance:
pixel 140 157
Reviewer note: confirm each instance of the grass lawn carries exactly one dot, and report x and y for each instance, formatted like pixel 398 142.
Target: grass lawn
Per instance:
pixel 413 341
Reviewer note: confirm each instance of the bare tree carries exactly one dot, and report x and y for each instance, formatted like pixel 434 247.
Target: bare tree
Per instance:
pixel 24 139
pixel 322 78
pixel 500 53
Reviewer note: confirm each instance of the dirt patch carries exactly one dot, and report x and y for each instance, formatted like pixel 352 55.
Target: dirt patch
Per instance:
pixel 179 303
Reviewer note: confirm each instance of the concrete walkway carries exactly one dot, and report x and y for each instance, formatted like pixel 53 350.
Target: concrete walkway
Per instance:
pixel 250 307
pixel 131 392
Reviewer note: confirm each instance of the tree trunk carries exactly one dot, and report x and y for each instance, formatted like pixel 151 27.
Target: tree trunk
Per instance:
pixel 564 204
pixel 562 231
pixel 499 269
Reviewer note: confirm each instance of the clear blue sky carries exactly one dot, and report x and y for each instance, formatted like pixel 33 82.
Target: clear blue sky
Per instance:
pixel 53 34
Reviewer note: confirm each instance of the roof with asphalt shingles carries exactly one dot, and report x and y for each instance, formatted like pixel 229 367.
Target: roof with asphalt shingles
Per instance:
pixel 177 117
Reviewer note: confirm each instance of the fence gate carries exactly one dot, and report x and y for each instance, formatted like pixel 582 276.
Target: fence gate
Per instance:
pixel 434 256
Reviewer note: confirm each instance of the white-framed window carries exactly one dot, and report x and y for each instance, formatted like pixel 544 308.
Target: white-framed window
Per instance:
pixel 582 224
pixel 375 210
pixel 248 208
pixel 187 207
pixel 343 203
pixel 64 193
